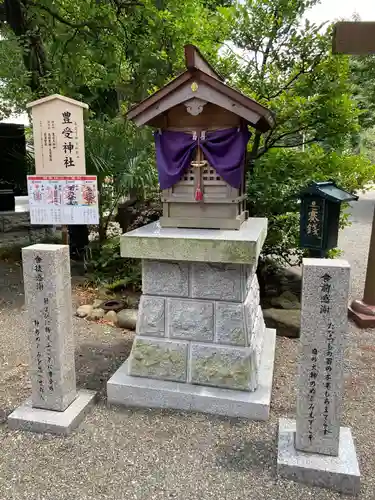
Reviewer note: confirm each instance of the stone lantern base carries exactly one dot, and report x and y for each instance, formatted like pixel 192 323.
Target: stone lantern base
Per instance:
pixel 201 342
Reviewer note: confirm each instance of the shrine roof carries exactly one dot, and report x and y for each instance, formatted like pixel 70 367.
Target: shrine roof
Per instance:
pixel 58 97
pixel 200 81
pixel 329 191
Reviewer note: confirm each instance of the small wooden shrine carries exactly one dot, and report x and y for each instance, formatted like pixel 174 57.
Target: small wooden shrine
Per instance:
pixel 201 140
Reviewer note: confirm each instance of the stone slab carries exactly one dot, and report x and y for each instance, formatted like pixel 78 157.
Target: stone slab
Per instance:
pixel 223 366
pixel 257 339
pixel 151 316
pixel 324 323
pixel 123 389
pixel 170 279
pixel 48 298
pixel 251 305
pixel 339 473
pixel 203 245
pixel 230 325
pixel 158 358
pixel 218 281
pixel 27 418
pixel 190 319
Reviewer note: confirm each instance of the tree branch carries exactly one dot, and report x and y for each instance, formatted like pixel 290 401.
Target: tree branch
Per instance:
pixel 61 19
pixel 270 143
pixel 292 132
pixel 263 150
pixel 33 53
pixel 269 44
pixel 295 77
pixel 235 53
pixel 122 4
pixel 68 40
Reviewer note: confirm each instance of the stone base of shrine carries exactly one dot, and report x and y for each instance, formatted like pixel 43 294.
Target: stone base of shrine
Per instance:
pixel 201 343
pixel 339 473
pixel 127 390
pixel 153 242
pixel 27 418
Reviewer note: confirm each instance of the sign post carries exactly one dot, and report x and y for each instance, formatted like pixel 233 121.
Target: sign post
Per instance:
pixel 59 193
pixel 58 135
pixel 314 448
pixel 358 38
pixel 60 190
pixel 55 405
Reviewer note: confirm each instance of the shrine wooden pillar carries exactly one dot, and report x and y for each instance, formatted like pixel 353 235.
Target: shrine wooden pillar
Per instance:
pixel 358 38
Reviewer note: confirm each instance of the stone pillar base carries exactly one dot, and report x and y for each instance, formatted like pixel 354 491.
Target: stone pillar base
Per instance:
pixel 27 418
pixel 362 314
pixel 339 473
pixel 199 323
pixel 127 390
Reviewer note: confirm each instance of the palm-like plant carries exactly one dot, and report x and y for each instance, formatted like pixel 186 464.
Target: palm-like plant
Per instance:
pixel 122 157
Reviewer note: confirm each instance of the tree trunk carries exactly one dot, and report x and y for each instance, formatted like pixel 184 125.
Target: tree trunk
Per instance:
pixel 15 13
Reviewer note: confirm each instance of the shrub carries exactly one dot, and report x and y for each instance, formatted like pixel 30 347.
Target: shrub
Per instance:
pixel 279 176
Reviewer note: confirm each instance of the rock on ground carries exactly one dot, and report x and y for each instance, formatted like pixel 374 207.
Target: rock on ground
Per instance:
pixel 84 311
pixel 287 300
pixel 286 321
pixel 97 303
pixel 112 317
pixel 127 318
pixel 96 314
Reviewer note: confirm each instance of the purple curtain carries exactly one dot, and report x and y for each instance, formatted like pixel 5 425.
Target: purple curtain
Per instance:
pixel 223 149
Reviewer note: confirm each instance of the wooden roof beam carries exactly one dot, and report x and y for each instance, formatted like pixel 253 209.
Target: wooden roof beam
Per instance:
pixel 194 60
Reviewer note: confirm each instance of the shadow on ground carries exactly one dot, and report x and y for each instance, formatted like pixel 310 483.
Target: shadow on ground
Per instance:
pixel 244 456
pixel 96 362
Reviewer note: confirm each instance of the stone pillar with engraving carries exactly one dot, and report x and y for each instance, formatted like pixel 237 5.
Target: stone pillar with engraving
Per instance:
pixel 201 341
pixel 315 449
pixel 55 405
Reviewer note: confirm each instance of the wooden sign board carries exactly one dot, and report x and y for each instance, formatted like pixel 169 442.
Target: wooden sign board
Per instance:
pixel 58 135
pixel 354 38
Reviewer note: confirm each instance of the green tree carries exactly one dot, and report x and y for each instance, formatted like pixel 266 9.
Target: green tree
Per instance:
pixel 280 175
pixel 362 71
pixel 287 65
pixel 104 52
pixel 363 78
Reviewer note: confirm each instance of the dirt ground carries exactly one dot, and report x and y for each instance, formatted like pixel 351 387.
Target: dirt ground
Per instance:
pixel 122 453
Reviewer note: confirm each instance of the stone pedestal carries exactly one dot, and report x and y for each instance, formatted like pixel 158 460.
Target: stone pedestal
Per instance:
pixel 55 405
pixel 200 330
pixel 314 448
pixel 339 473
pixel 362 314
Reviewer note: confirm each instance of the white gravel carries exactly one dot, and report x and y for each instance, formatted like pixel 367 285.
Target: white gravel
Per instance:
pixel 136 454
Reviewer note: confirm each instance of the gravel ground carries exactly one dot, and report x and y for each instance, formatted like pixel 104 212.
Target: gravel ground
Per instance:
pixel 138 454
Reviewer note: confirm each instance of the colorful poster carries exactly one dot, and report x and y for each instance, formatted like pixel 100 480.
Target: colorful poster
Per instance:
pixel 56 200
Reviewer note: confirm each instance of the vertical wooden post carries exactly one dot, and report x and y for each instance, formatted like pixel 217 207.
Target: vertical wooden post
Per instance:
pixel 65 235
pixel 358 38
pixel 362 311
pixel 369 292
